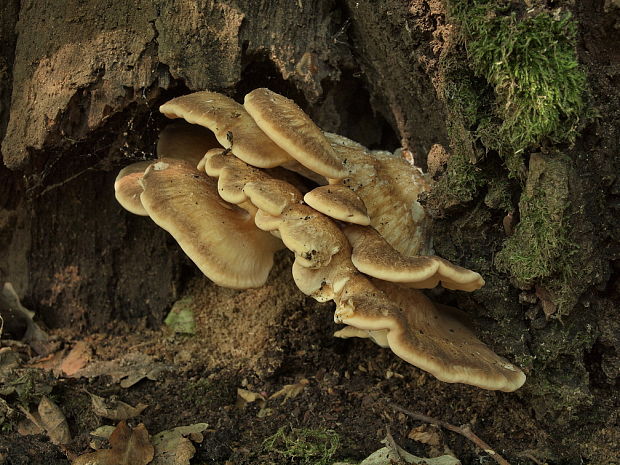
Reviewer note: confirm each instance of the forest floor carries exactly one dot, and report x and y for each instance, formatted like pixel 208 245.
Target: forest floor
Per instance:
pixel 258 378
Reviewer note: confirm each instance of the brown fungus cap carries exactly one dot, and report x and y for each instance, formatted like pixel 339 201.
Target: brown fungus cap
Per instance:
pixel 313 237
pixel 324 270
pixel 431 338
pixel 185 141
pixel 233 127
pixel 220 238
pixel 238 183
pixel 373 256
pixel 272 196
pixel 338 202
pixel 289 127
pixel 127 187
pixel 389 188
pixel 378 337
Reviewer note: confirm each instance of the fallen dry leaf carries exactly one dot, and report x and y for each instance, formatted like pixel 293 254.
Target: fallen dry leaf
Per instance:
pixel 48 419
pixel 128 447
pixel 50 362
pixel 181 317
pixel 546 300
pixel 128 369
pixel 174 447
pixel 387 456
pixel 245 397
pixel 175 452
pixel 100 436
pixel 426 434
pixel 290 391
pixel 54 421
pixel 9 359
pixel 384 457
pixel 114 409
pixel 76 359
pixel 30 425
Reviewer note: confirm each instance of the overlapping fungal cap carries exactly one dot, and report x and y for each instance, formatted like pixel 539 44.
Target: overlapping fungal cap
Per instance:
pixel 402 319
pixel 270 130
pixel 389 188
pixel 220 238
pixel 185 141
pixel 364 188
pixel 231 124
pixel 338 202
pixel 127 187
pixel 431 338
pixel 289 127
pixel 373 256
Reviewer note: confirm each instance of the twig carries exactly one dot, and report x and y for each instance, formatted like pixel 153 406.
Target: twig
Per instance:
pixel 464 430
pixel 391 444
pixel 65 181
pixel 528 455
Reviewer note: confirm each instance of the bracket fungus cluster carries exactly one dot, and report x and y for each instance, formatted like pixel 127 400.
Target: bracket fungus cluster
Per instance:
pixel 225 186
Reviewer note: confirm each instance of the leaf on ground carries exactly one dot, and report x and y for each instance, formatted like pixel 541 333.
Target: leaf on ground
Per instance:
pixel 245 397
pixel 128 370
pixel 426 434
pixel 76 359
pixel 387 456
pixel 9 359
pixel 178 451
pixel 181 317
pixel 128 447
pixel 174 447
pixel 30 425
pixel 290 391
pixel 50 362
pixel 100 436
pixel 114 409
pixel 54 421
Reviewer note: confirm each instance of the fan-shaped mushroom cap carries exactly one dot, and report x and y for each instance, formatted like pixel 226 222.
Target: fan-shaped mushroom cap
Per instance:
pixel 289 127
pixel 378 337
pixel 233 127
pixel 433 339
pixel 402 319
pixel 127 187
pixel 313 237
pixel 185 141
pixel 221 239
pixel 373 256
pixel 238 182
pixel 389 187
pixel 338 202
pixel 326 282
pixel 272 196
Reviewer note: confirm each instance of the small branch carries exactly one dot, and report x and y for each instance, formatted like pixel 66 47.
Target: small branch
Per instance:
pixel 528 455
pixel 464 431
pixel 391 444
pixel 65 181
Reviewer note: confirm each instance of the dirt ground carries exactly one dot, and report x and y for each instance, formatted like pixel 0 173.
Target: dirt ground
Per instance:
pixel 261 340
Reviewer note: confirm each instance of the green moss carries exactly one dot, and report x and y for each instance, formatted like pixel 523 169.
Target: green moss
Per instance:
pixel 532 252
pixel 541 248
pixel 307 446
pixel 540 245
pixel 530 63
